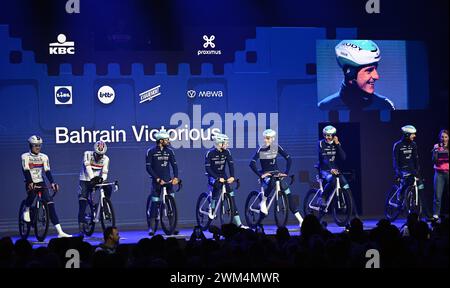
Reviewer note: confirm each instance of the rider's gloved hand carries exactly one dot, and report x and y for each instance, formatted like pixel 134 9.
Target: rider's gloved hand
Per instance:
pixel 96 180
pixel 30 186
pixel 230 180
pixel 55 187
pixel 265 175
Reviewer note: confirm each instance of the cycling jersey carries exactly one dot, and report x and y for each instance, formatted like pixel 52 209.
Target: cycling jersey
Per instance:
pixel 32 166
pixel 405 157
pixel 268 159
pixel 157 163
pixel 215 162
pixel 91 167
pixel 328 153
pixel 351 97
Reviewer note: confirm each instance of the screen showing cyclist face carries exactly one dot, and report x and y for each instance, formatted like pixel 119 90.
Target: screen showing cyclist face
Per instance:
pixel 399 76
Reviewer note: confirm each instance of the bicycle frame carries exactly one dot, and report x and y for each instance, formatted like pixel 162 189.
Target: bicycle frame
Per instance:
pixel 336 192
pixel 221 199
pixel 99 187
pixel 416 192
pixel 276 191
pixel 164 194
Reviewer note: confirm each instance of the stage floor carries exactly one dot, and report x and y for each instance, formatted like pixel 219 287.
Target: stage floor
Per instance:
pixel 133 236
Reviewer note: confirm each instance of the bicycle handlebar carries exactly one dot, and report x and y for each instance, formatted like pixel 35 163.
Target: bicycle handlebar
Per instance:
pixel 277 175
pixel 37 188
pixel 115 184
pixel 179 184
pixel 236 182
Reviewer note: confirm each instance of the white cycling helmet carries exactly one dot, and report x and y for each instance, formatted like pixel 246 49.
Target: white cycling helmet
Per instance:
pixel 220 138
pixel 269 133
pixel 162 134
pixel 100 147
pixel 35 140
pixel 329 130
pixel 354 54
pixel 409 129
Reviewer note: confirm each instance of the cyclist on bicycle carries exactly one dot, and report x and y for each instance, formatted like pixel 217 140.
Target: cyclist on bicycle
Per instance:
pixel 329 149
pixel 33 162
pixel 215 161
pixel 157 161
pixel 94 170
pixel 267 155
pixel 406 160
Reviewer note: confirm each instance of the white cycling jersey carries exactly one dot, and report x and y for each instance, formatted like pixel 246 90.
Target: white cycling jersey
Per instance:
pixel 91 168
pixel 35 163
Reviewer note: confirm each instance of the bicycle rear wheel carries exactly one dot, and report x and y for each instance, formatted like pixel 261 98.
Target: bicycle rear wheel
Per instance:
pixel 281 209
pixel 41 220
pixel 203 203
pixel 107 216
pixel 393 207
pixel 342 207
pixel 24 227
pixel 168 215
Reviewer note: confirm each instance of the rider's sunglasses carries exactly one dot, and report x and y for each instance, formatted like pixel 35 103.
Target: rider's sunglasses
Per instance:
pixel 36 145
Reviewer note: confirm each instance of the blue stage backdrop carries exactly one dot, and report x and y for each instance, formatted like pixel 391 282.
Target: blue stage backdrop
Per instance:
pixel 270 82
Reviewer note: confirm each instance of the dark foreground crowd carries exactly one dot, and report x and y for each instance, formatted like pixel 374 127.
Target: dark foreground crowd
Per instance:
pixel 416 244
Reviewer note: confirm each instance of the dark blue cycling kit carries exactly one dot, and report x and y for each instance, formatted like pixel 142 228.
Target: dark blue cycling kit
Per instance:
pixel 328 154
pixel 215 162
pixel 405 157
pixel 157 163
pixel 268 158
pixel 406 164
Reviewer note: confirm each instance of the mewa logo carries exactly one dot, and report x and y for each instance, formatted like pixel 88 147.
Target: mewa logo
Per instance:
pixel 205 93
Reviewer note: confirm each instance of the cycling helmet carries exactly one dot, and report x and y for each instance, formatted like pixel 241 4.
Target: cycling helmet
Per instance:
pixel 220 138
pixel 352 55
pixel 100 147
pixel 35 140
pixel 329 130
pixel 408 130
pixel 161 134
pixel 269 133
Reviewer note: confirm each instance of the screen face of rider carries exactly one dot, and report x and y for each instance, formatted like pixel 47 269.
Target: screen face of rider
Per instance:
pixel 366 78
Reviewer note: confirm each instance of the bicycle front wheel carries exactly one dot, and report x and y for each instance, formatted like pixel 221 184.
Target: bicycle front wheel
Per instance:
pixel 342 207
pixel 281 209
pixel 24 227
pixel 412 201
pixel 88 226
pixel 226 210
pixel 168 215
pixel 41 220
pixel 201 208
pixel 393 205
pixel 108 218
pixel 252 209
